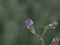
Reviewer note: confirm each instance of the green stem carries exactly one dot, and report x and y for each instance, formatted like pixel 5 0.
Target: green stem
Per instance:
pixel 43 33
pixel 39 38
pixel 42 41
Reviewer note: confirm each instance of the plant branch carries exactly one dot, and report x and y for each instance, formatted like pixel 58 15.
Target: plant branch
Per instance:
pixel 39 38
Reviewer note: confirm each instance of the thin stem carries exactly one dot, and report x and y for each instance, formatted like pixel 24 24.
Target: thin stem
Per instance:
pixel 42 41
pixel 43 33
pixel 39 38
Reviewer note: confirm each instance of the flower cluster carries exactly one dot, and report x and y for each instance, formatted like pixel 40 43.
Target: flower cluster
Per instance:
pixel 29 23
pixel 55 41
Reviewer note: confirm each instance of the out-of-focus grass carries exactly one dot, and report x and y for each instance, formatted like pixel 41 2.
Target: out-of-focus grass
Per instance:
pixel 12 20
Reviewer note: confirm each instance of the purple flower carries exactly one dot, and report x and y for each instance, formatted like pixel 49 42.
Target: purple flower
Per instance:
pixel 52 26
pixel 29 23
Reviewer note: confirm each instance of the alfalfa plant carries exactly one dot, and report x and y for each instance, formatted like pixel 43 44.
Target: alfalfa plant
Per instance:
pixel 30 27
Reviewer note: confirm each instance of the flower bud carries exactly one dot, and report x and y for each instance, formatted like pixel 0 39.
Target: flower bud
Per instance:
pixel 55 23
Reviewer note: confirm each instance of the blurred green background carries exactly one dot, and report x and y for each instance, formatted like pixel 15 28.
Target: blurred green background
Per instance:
pixel 13 14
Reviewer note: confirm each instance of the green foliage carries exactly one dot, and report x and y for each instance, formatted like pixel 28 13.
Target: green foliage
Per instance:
pixel 12 21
